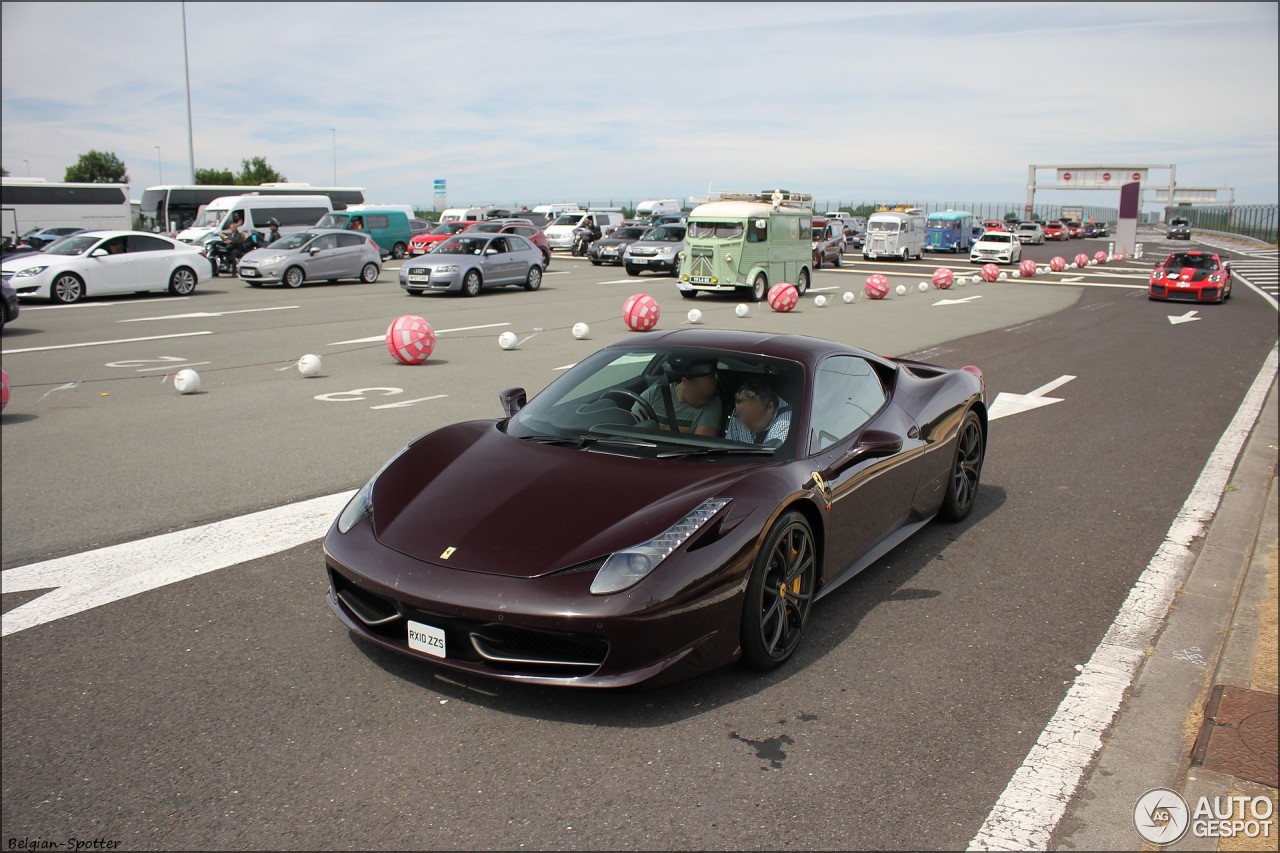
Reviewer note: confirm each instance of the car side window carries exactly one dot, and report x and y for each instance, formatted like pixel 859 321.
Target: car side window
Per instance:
pixel 140 243
pixel 375 221
pixel 498 245
pixel 846 394
pixel 327 241
pixel 348 241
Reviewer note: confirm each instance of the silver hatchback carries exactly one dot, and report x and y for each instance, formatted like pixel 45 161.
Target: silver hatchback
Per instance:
pixel 471 261
pixel 324 254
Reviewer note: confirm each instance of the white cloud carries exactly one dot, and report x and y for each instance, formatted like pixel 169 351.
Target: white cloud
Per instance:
pixel 528 102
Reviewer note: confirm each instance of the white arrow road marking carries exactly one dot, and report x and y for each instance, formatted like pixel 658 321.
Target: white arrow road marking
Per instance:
pixel 105 343
pixel 1189 317
pixel 128 304
pixel 1013 404
pixel 1073 278
pixel 209 314
pixel 956 301
pixel 80 582
pixel 383 336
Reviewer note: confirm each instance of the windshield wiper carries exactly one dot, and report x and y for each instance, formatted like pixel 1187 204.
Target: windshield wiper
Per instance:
pixel 584 440
pixel 707 451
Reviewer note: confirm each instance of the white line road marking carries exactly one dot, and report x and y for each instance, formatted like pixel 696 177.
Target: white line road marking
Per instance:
pixel 404 404
pixel 1036 798
pixel 105 343
pixel 209 314
pixel 1073 279
pixel 1007 404
pixel 103 304
pixel 383 337
pixel 83 581
pixel 175 366
pixel 957 301
pixel 618 281
pixel 821 289
pixel 1189 317
pixel 554 272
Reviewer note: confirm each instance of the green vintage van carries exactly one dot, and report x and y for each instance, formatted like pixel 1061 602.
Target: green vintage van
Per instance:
pixel 750 242
pixel 389 228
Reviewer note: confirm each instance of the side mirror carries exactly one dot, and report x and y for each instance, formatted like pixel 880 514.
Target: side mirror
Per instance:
pixel 491 251
pixel 99 253
pixel 873 444
pixel 513 400
pixel 314 250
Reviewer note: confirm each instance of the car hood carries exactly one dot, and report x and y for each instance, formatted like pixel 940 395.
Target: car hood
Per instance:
pixel 435 259
pixel 262 254
pixel 1187 273
pixel 23 260
pixel 502 505
pixel 655 244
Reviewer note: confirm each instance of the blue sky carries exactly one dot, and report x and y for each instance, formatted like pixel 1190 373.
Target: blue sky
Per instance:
pixel 521 103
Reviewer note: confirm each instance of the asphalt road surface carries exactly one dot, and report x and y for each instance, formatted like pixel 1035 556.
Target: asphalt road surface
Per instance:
pixel 232 710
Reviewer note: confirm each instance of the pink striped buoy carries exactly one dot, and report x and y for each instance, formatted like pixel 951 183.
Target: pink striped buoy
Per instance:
pixel 410 339
pixel 783 297
pixel 641 312
pixel 1028 268
pixel 877 286
pixel 943 278
pixel 990 272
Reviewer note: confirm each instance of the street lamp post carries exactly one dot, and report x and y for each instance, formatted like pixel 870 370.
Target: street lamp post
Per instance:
pixel 159 168
pixel 334 131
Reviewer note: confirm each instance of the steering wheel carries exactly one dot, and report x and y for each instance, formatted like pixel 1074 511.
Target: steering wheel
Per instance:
pixel 648 410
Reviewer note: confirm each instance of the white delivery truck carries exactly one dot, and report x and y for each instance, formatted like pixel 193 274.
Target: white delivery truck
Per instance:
pixel 895 234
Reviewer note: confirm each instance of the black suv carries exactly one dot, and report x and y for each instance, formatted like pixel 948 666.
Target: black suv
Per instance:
pixel 1179 229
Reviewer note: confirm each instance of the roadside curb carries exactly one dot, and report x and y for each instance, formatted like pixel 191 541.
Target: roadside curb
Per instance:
pixel 1209 637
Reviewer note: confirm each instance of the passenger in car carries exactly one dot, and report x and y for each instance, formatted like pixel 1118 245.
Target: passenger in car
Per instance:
pixel 759 416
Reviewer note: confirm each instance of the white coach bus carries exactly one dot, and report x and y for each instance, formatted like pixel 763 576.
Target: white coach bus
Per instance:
pixel 30 203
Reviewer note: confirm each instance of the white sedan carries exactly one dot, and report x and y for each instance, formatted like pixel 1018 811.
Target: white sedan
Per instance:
pixel 95 263
pixel 1000 247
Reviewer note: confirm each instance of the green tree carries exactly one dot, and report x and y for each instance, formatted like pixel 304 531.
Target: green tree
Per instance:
pixel 256 171
pixel 864 210
pixel 97 167
pixel 218 177
pixel 1011 216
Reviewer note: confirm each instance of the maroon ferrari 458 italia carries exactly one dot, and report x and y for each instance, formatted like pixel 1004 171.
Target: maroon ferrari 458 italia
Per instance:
pixel 674 502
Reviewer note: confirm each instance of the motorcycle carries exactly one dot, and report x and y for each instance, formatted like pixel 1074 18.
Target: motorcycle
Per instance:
pixel 221 255
pixel 583 238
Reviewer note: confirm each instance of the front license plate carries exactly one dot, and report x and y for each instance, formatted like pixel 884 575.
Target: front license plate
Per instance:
pixel 425 638
pixel 699 279
pixel 1183 284
pixel 639 260
pixel 248 273
pixel 420 278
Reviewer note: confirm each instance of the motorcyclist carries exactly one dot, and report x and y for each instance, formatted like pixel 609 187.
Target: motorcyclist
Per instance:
pixel 261 241
pixel 588 233
pixel 234 235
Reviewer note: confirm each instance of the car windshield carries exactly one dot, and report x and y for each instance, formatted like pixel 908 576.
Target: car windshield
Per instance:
pixel 293 241
pixel 1177 222
pixel 77 244
pixel 210 218
pixel 718 230
pixel 333 220
pixel 1199 262
pixel 487 227
pixel 1000 237
pixel 462 245
pixel 883 227
pixel 1027 226
pixel 666 234
pixel 593 403
pixel 449 228
pixel 628 233
pixel 568 219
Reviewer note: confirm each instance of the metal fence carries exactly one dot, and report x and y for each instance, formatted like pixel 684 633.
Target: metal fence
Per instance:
pixel 1252 220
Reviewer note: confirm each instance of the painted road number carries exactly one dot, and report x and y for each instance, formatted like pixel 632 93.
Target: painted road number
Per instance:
pixel 425 638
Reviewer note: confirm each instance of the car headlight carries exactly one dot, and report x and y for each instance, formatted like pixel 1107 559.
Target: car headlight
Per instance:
pixel 447 268
pixel 361 503
pixel 30 271
pixel 1157 274
pixel 274 259
pixel 1215 278
pixel 624 569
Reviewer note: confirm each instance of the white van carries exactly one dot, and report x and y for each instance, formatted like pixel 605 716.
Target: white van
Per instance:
pixel 293 212
pixel 656 207
pixel 895 234
pixel 407 208
pixel 560 232
pixel 464 214
pixel 551 211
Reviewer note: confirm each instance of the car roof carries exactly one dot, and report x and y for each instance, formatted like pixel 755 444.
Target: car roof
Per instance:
pixel 802 348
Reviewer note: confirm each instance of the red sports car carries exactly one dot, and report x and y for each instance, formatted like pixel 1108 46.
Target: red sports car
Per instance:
pixel 523 227
pixel 1055 231
pixel 1191 277
pixel 633 524
pixel 423 243
pixel 994 225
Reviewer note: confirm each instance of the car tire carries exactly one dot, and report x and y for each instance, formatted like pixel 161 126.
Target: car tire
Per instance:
pixel 689 294
pixel 397 251
pixel 534 280
pixel 802 282
pixel 632 270
pixel 369 274
pixel 596 263
pixel 67 289
pixel 839 260
pixel 675 268
pixel 759 287
pixel 906 255
pixel 866 257
pixel 293 277
pixel 471 284
pixel 966 469
pixel 779 593
pixel 182 282
pixel 817 262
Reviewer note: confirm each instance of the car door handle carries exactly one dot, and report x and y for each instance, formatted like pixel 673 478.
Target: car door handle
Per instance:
pixel 914 432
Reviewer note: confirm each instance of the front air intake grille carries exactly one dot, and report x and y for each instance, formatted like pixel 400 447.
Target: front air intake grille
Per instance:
pixel 524 650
